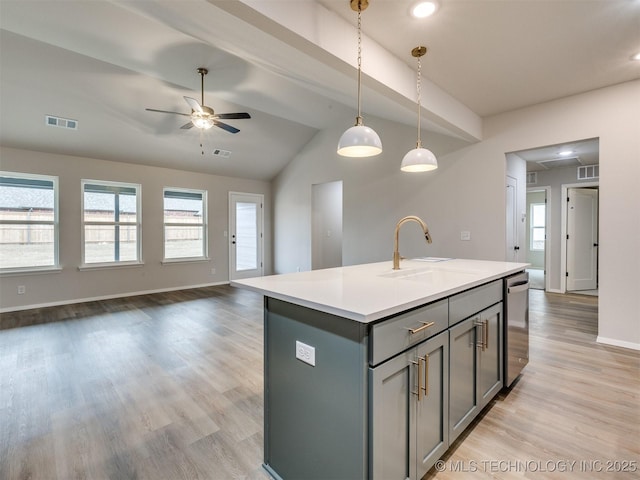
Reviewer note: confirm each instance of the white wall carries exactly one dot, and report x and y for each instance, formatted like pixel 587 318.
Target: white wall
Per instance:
pixel 71 284
pixel 376 194
pixel 467 193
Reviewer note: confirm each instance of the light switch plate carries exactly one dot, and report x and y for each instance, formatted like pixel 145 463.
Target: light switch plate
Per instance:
pixel 306 353
pixel 465 235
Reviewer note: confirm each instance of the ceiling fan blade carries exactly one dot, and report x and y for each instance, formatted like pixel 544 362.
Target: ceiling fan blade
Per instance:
pixel 226 127
pixel 187 126
pixel 233 116
pixel 193 103
pixel 167 111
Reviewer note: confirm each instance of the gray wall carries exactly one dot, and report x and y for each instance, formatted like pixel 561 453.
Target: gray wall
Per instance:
pixel 71 284
pixel 467 193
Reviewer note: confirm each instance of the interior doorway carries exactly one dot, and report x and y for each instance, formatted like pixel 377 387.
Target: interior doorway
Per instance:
pixel 556 168
pixel 326 225
pixel 537 234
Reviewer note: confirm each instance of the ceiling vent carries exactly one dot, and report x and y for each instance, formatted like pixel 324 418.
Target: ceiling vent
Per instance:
pixel 61 122
pixel 560 162
pixel 221 153
pixel 532 178
pixel 588 172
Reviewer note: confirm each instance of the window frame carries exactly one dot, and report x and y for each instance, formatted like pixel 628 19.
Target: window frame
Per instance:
pixel 55 223
pixel 204 225
pixel 533 228
pixel 138 224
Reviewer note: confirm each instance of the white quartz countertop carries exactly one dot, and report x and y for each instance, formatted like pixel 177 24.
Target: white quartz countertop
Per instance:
pixel 372 291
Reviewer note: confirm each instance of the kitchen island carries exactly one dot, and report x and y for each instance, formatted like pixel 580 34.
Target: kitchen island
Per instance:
pixel 372 372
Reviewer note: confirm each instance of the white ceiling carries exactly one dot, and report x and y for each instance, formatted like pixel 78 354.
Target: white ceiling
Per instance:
pixel 583 152
pixel 103 62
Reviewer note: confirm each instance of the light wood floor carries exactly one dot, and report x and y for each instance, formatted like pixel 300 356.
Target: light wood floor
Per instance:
pixel 169 386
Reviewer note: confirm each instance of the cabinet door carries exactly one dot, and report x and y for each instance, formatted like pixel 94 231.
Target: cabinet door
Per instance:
pixel 463 399
pixel 490 357
pixel 392 418
pixel 432 416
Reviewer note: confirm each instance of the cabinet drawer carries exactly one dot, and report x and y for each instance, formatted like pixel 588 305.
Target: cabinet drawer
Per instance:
pixel 392 336
pixel 472 301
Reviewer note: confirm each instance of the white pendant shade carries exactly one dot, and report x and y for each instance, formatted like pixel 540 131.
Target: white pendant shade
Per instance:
pixel 419 160
pixel 359 141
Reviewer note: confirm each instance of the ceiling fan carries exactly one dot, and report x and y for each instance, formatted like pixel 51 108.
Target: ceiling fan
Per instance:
pixel 204 117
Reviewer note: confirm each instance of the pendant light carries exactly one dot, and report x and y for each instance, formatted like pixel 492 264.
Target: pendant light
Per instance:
pixel 359 140
pixel 419 159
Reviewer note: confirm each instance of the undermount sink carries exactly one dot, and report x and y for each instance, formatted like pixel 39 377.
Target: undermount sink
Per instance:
pixel 406 272
pixel 427 274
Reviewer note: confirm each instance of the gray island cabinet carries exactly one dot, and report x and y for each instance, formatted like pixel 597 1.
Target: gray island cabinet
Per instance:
pixel 371 372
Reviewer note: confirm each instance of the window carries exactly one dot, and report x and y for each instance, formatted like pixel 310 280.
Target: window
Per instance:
pixel 111 223
pixel 185 224
pixel 538 228
pixel 28 222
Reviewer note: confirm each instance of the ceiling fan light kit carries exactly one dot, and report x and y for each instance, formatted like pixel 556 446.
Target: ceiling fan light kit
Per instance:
pixel 202 120
pixel 419 159
pixel 359 140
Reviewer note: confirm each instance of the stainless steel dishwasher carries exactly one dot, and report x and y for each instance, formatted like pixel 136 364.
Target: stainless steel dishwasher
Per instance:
pixel 516 335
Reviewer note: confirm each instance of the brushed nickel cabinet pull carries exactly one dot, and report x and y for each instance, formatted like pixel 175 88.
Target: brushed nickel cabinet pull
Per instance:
pixel 419 374
pixel 426 374
pixel 486 334
pixel 425 325
pixel 479 339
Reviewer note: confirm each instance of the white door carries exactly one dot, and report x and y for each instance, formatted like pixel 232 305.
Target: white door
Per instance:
pixel 245 235
pixel 582 239
pixel 512 220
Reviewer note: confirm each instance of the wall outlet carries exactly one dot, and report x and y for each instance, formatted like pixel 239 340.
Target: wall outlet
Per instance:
pixel 213 271
pixel 465 235
pixel 22 289
pixel 306 353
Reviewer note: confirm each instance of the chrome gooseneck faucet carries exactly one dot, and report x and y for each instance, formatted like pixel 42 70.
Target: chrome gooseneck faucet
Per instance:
pixel 396 252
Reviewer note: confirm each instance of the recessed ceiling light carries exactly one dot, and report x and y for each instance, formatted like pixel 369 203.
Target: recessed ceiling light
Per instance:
pixel 565 153
pixel 424 9
pixel 636 56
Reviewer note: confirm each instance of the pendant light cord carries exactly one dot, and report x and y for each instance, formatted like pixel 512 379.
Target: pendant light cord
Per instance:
pixel 359 117
pixel 419 145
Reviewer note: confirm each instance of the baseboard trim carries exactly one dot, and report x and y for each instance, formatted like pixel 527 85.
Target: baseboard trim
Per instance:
pixel 108 297
pixel 554 290
pixel 618 343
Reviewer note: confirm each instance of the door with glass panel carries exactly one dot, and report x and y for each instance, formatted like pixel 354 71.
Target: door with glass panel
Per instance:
pixel 245 235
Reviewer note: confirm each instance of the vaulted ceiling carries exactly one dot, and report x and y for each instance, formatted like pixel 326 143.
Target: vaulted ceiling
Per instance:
pixel 291 65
